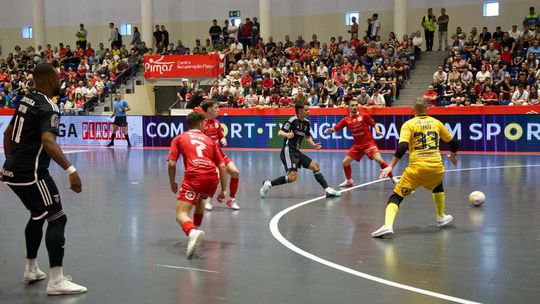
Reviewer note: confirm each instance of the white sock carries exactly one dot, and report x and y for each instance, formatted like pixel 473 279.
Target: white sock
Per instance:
pixel 57 273
pixel 31 264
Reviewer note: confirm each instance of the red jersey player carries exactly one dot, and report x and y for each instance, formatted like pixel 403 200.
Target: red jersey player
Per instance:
pixel 212 128
pixel 201 157
pixel 364 144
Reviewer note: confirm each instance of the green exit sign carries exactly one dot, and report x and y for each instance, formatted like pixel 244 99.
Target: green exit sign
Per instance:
pixel 234 14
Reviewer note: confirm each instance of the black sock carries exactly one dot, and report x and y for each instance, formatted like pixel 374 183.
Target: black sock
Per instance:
pixel 34 234
pixel 127 138
pixel 320 179
pixel 55 240
pixel 113 136
pixel 280 181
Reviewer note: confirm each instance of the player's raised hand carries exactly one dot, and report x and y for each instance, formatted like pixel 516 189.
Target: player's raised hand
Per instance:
pixel 453 158
pixel 75 182
pixel 385 172
pixel 174 187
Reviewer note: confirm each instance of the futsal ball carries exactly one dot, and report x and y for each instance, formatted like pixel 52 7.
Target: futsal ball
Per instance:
pixel 477 198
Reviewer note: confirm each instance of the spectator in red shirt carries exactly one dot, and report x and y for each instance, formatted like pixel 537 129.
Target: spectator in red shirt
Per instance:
pixel 89 52
pixel 431 96
pixel 267 83
pixel 246 79
pixel 489 97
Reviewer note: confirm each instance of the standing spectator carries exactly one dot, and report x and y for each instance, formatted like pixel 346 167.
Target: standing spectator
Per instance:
pixel 532 18
pixel 255 31
pixel 157 37
pixel 375 26
pixel 164 37
pixel 225 32
pixel 232 30
pixel 354 27
pixel 215 32
pixel 442 21
pixel 81 35
pixel 244 34
pixel 114 37
pixel 136 37
pixel 428 23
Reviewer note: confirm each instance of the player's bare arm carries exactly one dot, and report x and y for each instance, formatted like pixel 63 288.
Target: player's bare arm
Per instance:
pixel 313 144
pixel 171 168
pixel 55 152
pixel 403 147
pixel 288 135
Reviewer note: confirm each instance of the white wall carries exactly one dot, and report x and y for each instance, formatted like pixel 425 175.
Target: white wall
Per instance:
pixel 190 19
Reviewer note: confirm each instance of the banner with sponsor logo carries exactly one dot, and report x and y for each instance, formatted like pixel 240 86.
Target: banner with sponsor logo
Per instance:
pixel 504 133
pixel 179 66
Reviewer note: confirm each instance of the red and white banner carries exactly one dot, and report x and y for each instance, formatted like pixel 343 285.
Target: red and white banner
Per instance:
pixel 179 66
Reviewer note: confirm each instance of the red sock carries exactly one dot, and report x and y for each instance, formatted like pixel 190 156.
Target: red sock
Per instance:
pixel 187 227
pixel 384 165
pixel 233 187
pixel 197 219
pixel 348 171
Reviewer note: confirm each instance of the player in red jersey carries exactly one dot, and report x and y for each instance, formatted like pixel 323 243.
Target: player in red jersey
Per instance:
pixel 212 128
pixel 364 143
pixel 201 157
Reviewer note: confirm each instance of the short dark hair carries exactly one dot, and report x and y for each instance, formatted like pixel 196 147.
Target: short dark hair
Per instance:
pixel 207 104
pixel 193 119
pixel 300 105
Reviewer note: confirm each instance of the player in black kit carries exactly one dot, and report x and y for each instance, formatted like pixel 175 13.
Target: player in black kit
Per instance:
pixel 293 132
pixel 29 145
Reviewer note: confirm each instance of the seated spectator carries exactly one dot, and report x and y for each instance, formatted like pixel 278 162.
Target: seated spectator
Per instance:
pixel 376 101
pixel 458 97
pixel 489 98
pixel 482 74
pixel 431 96
pixel 520 97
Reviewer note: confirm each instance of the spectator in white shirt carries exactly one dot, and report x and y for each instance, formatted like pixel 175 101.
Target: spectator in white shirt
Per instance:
pixel 520 97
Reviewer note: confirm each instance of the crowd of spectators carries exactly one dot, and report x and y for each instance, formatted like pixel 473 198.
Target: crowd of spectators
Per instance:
pixel 490 68
pixel 86 73
pixel 263 73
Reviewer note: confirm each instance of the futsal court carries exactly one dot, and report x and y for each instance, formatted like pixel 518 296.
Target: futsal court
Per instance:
pixel 123 243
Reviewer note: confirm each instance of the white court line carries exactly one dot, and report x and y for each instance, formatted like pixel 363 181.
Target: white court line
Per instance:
pixel 277 234
pixel 185 268
pixel 75 151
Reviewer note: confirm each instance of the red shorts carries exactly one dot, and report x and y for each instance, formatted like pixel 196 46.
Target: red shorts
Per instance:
pixel 357 152
pixel 226 159
pixel 202 186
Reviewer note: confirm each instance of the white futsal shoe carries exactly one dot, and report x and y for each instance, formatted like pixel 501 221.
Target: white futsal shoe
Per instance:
pixel 195 239
pixel 33 275
pixel 330 192
pixel 445 220
pixel 265 188
pixel 347 183
pixel 395 180
pixel 232 204
pixel 64 287
pixel 208 204
pixel 383 231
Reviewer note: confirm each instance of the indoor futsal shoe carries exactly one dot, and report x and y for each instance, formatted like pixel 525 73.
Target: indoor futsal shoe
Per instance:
pixel 445 220
pixel 265 188
pixel 208 205
pixel 34 275
pixel 330 192
pixel 395 180
pixel 64 287
pixel 383 231
pixel 232 204
pixel 110 144
pixel 195 239
pixel 347 183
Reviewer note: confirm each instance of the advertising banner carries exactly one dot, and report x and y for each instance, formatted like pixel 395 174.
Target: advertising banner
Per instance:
pixel 504 133
pixel 179 66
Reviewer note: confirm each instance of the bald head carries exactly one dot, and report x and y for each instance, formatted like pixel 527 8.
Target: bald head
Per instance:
pixel 420 106
pixel 46 79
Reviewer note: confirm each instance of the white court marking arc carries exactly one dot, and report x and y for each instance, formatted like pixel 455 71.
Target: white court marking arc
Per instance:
pixel 277 234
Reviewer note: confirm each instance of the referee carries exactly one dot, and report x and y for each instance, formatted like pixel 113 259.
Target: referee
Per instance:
pixel 29 145
pixel 120 119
